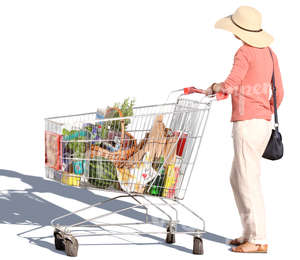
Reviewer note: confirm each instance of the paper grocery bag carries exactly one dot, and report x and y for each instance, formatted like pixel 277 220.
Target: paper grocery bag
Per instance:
pixel 153 144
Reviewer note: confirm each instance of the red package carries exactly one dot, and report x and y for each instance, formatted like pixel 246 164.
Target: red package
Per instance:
pixel 181 143
pixel 52 150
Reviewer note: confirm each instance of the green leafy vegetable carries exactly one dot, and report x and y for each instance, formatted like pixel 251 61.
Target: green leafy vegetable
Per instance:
pixel 103 173
pixel 127 110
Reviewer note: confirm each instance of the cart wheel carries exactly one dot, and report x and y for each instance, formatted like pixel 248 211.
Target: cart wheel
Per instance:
pixel 71 246
pixel 198 246
pixel 170 239
pixel 58 240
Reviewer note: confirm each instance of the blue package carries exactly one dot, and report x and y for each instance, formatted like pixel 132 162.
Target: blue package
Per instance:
pixel 78 167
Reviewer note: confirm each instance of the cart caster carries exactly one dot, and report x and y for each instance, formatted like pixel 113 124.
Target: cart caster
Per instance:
pixel 170 239
pixel 71 246
pixel 59 240
pixel 198 246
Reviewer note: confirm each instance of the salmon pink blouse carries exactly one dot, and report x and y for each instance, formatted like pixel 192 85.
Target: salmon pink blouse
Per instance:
pixel 249 84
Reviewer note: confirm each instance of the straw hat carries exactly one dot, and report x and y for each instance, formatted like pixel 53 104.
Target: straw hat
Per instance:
pixel 246 24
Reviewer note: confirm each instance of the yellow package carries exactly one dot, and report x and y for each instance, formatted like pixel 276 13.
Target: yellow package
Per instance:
pixel 170 181
pixel 70 180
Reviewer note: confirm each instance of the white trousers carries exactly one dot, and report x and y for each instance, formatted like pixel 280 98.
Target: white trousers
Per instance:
pixel 250 138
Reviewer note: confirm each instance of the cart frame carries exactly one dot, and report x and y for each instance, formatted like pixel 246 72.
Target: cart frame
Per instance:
pixel 65 240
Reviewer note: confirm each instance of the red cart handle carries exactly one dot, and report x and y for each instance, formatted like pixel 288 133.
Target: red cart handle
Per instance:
pixel 191 90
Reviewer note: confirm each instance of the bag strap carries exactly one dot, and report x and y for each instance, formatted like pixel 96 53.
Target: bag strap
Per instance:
pixel 274 95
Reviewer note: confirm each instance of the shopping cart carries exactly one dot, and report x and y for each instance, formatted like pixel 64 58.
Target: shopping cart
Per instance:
pixel 145 157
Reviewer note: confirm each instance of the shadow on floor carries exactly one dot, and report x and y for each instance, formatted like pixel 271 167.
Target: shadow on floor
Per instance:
pixel 26 207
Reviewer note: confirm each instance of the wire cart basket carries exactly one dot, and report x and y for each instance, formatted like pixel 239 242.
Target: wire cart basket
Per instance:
pixel 149 155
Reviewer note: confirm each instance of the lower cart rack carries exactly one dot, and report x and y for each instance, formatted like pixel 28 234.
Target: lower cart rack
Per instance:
pixel 65 240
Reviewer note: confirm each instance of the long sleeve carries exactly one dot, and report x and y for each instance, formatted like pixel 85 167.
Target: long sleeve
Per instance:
pixel 238 72
pixel 278 84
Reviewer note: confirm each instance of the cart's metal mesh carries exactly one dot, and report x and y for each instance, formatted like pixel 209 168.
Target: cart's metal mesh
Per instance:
pixel 154 155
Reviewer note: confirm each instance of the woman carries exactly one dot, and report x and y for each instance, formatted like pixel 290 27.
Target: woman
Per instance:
pixel 249 84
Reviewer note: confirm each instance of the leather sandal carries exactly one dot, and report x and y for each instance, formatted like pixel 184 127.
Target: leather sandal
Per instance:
pixel 248 247
pixel 236 242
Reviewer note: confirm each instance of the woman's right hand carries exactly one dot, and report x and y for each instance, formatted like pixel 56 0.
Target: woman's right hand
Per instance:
pixel 213 89
pixel 209 91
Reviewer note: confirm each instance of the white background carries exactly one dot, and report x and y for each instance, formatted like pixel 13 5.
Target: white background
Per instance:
pixel 61 57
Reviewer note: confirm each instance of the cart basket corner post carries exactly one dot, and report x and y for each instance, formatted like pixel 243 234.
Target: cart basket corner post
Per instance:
pixel 147 157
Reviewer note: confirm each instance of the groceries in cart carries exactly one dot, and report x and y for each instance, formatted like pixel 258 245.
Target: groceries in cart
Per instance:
pixel 85 141
pixel 140 171
pixel 106 152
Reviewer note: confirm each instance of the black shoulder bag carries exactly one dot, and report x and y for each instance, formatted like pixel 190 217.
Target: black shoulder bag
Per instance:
pixel 274 149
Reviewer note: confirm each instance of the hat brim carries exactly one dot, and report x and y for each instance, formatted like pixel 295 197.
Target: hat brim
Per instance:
pixel 257 39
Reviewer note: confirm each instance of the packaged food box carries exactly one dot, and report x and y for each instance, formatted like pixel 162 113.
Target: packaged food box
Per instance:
pixel 68 179
pixel 170 181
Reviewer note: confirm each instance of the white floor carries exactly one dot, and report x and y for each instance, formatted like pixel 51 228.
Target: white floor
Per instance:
pixel 28 203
